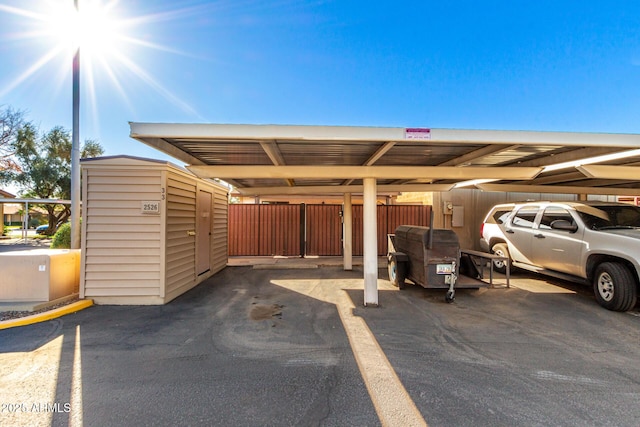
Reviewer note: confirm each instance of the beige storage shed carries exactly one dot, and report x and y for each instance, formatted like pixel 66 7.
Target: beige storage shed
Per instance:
pixel 150 231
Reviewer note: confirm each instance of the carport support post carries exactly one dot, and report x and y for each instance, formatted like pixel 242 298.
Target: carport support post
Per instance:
pixel 370 242
pixel 347 232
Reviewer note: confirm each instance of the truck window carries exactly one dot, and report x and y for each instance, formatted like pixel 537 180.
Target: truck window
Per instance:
pixel 603 217
pixel 525 216
pixel 500 216
pixel 553 213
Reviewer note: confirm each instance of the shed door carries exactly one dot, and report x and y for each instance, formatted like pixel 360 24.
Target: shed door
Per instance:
pixel 203 232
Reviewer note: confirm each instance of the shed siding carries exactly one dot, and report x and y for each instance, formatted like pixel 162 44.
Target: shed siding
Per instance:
pixel 130 257
pixel 121 244
pixel 181 247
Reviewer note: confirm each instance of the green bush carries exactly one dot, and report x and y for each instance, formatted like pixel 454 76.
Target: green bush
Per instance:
pixel 62 238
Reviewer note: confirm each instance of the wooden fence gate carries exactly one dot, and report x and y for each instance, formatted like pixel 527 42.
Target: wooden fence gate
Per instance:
pixel 299 230
pixel 324 230
pixel 266 230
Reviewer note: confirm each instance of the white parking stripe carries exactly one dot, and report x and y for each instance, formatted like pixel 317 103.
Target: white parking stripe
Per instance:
pixel 391 400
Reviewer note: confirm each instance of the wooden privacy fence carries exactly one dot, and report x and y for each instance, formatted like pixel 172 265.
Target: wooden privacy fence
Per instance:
pixel 389 218
pixel 299 230
pixel 257 230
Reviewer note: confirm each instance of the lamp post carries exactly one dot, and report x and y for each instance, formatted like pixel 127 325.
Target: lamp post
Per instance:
pixel 75 149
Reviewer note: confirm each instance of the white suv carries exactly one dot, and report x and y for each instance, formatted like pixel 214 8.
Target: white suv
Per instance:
pixel 593 242
pixel 492 238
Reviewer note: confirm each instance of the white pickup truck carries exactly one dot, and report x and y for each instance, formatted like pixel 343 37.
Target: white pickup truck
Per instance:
pixel 597 243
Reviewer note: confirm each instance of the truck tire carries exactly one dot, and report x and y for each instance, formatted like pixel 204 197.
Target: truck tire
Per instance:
pixel 500 249
pixel 397 273
pixel 614 287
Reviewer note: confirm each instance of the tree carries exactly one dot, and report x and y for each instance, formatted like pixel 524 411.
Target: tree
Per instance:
pixel 10 123
pixel 44 167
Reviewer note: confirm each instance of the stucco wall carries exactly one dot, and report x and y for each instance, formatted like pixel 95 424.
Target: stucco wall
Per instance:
pixel 475 204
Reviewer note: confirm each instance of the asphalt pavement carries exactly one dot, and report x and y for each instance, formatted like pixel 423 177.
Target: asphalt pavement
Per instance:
pixel 12 244
pixel 267 347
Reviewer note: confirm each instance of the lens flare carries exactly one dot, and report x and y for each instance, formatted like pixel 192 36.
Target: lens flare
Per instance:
pixel 92 27
pixel 106 39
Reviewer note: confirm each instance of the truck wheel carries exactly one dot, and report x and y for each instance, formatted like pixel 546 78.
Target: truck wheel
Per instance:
pixel 614 287
pixel 500 249
pixel 397 273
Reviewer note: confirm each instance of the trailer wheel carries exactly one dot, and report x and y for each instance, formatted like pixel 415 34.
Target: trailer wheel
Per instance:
pixel 500 249
pixel 614 287
pixel 397 273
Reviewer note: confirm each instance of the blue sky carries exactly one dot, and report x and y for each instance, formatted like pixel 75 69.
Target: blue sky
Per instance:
pixel 514 65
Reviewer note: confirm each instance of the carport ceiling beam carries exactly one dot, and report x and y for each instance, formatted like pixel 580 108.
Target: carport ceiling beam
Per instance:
pixel 379 153
pixel 479 154
pixel 359 172
pixel 339 189
pixel 273 152
pixel 570 156
pixel 559 189
pixel 558 178
pixel 611 172
pixel 375 157
pixel 612 183
pixel 170 149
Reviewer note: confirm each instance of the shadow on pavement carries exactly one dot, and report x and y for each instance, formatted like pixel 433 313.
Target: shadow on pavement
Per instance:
pixel 510 356
pixel 236 350
pixel 268 347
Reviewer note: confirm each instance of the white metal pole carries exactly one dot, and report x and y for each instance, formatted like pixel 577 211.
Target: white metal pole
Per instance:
pixel 347 232
pixel 370 243
pixel 25 225
pixel 75 151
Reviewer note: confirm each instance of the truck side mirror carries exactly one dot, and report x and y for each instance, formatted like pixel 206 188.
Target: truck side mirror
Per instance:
pixel 564 225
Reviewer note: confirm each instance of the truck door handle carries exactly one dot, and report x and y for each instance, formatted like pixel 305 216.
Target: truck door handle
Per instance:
pixel 539 236
pixel 510 231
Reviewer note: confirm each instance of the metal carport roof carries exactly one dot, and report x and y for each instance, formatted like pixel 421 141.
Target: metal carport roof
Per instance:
pixel 284 159
pixel 279 159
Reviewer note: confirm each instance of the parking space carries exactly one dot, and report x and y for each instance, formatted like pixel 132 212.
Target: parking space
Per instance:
pixel 540 353
pixel 269 346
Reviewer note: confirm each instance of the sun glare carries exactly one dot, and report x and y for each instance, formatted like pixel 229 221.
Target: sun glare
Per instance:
pixel 91 28
pixel 106 40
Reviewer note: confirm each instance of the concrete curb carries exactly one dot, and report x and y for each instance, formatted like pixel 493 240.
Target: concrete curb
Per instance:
pixel 46 315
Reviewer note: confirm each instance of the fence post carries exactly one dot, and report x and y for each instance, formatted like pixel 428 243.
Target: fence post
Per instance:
pixel 347 232
pixel 303 228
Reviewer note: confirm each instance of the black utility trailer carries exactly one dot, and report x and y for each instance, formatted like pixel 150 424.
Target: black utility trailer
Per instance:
pixel 426 256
